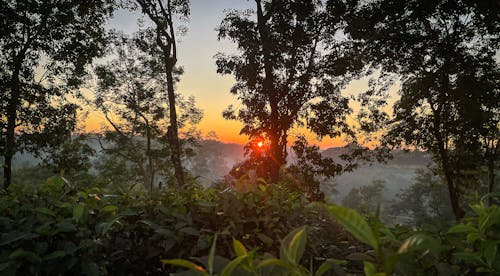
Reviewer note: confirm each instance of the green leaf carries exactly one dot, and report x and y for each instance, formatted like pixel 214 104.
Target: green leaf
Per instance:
pixel 239 248
pixel 228 269
pixel 211 256
pixel 461 228
pixel 417 242
pixel 30 256
pixel 45 211
pixel 327 265
pixel 265 239
pixel 355 224
pixel 54 255
pixel 109 208
pixel 468 257
pixel 78 211
pixel 15 236
pixel 65 226
pixel 90 269
pixel 297 245
pixel 275 262
pixel 369 268
pixel 185 264
pixel 490 253
pixel 190 231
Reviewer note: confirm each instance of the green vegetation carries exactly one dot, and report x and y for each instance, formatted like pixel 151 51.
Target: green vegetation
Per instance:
pixel 128 199
pixel 54 228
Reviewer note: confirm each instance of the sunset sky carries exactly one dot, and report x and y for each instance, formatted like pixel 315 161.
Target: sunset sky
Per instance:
pixel 196 52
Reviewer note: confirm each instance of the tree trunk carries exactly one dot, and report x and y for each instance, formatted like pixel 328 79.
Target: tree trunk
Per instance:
pixel 10 143
pixel 173 133
pixel 491 172
pixel 450 181
pixel 277 159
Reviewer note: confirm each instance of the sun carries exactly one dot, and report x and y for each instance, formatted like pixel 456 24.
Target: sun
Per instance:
pixel 260 144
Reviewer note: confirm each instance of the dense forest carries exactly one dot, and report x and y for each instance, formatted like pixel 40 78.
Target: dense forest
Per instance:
pixel 413 191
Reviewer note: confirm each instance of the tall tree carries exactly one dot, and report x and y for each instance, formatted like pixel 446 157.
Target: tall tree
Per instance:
pixel 45 46
pixel 130 93
pixel 287 72
pixel 162 15
pixel 444 54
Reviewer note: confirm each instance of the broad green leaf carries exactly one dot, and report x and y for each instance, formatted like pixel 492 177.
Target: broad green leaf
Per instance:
pixel 265 239
pixel 239 248
pixel 327 265
pixel 109 208
pixel 45 211
pixel 91 269
pixel 417 242
pixel 15 236
pixel 461 228
pixel 28 255
pixel 185 264
pixel 78 211
pixel 275 262
pixel 297 245
pixel 369 269
pixel 211 256
pixel 65 226
pixel 468 257
pixel 490 253
pixel 355 224
pixel 54 255
pixel 228 269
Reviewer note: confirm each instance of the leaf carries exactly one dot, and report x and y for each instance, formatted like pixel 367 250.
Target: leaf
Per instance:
pixel 211 256
pixel 30 256
pixel 78 211
pixel 109 208
pixel 490 253
pixel 45 211
pixel 417 242
pixel 65 226
pixel 461 228
pixel 265 239
pixel 15 236
pixel 228 269
pixel 190 231
pixel 91 269
pixel 185 264
pixel 239 248
pixel 369 269
pixel 297 245
pixel 54 255
pixel 327 265
pixel 468 257
pixel 277 262
pixel 355 224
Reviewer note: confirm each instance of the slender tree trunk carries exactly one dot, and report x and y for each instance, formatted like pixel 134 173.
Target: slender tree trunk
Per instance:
pixel 491 172
pixel 173 132
pixel 10 143
pixel 277 159
pixel 450 181
pixel 150 159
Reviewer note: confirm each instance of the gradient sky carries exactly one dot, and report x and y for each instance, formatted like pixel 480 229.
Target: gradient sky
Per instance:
pixel 196 52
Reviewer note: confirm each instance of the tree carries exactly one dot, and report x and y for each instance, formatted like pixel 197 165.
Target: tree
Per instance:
pixel 287 72
pixel 45 46
pixel 166 50
pixel 131 88
pixel 443 52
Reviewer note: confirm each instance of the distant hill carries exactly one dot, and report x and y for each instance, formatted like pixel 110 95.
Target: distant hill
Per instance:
pixel 215 159
pixel 396 173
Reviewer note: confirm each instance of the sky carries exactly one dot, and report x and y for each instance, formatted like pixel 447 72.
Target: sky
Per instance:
pixel 196 50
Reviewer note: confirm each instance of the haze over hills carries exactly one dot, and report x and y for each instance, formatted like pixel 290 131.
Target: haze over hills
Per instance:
pixel 214 159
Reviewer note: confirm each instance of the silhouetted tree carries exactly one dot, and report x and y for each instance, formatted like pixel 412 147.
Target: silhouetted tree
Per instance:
pixel 130 93
pixel 444 55
pixel 162 15
pixel 287 72
pixel 45 46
